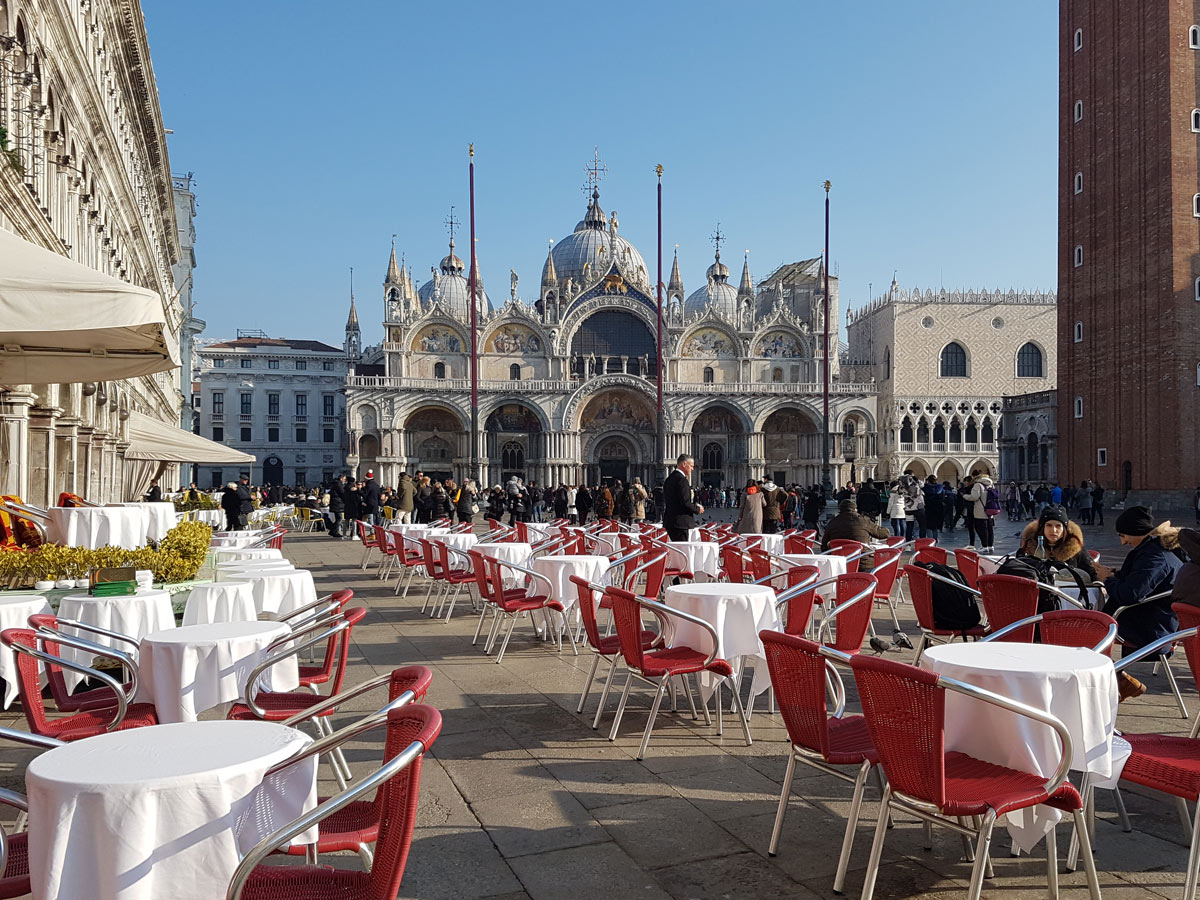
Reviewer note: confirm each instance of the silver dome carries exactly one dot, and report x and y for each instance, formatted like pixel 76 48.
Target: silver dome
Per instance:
pixel 724 300
pixel 455 293
pixel 594 243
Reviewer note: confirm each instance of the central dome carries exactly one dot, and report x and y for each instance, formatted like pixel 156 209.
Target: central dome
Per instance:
pixel 595 244
pixel 453 289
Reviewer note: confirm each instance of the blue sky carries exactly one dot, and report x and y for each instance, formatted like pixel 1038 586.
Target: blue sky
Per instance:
pixel 317 130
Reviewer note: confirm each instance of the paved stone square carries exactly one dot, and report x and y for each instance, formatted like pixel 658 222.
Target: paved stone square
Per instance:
pixel 520 798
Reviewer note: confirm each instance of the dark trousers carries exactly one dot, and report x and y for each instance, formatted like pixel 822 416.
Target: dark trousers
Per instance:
pixel 232 520
pixel 335 522
pixel 1098 513
pixel 969 521
pixel 986 529
pixel 677 534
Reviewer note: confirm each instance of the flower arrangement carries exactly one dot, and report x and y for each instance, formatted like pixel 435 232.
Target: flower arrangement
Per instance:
pixel 178 558
pixel 205 502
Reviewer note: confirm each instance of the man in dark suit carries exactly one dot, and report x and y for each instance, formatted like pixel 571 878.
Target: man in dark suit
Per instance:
pixel 370 499
pixel 337 505
pixel 680 510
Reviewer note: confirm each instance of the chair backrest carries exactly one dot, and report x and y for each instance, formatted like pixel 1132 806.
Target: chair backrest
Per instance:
pixel 924 543
pixel 851 564
pixel 967 562
pixel 760 563
pixel 627 616
pixel 482 578
pixel 1189 617
pixel 920 591
pixel 397 798
pixel 896 540
pixel 1007 599
pixel 906 716
pixel 886 571
pixel 800 607
pixel 587 609
pixel 656 574
pixel 733 562
pixel 795 543
pixel 522 531
pixel 366 534
pixel 852 624
pixel 29 684
pixel 54 673
pixel 383 539
pixel 433 568
pixel 341 597
pixel 1076 627
pixel 809 534
pixel 798 677
pixel 838 543
pixel 931 554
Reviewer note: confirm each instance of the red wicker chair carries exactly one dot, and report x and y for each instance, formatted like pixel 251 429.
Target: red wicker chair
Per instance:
pixel 14 852
pixel 852 554
pixel 88 722
pixel 930 554
pixel 1007 599
pixel 526 603
pixel 886 570
pixel 1087 628
pixel 366 534
pixel 852 614
pixel 483 582
pixel 905 709
pixel 311 676
pixel 46 625
pixel 800 598
pixel 800 671
pixel 967 562
pixel 411 731
pixel 920 591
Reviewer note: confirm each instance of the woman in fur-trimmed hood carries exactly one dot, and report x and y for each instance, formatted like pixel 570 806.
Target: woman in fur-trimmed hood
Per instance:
pixel 1062 538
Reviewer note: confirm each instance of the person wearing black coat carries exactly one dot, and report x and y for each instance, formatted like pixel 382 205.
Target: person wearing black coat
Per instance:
pixel 231 504
pixel 353 506
pixel 245 501
pixel 680 510
pixel 370 499
pixel 337 505
pixel 583 504
pixel 154 495
pixel 560 502
pixel 868 501
pixel 1149 568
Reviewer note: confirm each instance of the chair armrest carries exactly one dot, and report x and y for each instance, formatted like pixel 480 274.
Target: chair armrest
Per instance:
pixel 1064 764
pixel 303 610
pixel 661 609
pixel 298 643
pixel 1153 647
pixel 950 581
pixel 104 678
pixel 41 741
pixel 283 836
pixel 353 730
pixel 837 611
pixel 808 584
pixel 1009 629
pixel 631 577
pixel 1063 595
pixel 67 640
pixel 103 632
pixel 532 574
pixel 1108 640
pixel 1161 595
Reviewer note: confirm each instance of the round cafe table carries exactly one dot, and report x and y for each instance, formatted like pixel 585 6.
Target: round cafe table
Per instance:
pixel 538 531
pixel 160 517
pixel 280 593
pixel 221 601
pixel 185 671
pixel 15 613
pixel 229 571
pixel 738 612
pixel 830 566
pixel 1076 685
pixel 135 615
pixel 559 570
pixel 461 542
pixel 165 811
pixel 772 543
pixel 697 557
pixel 214 518
pixel 230 554
pixel 98 526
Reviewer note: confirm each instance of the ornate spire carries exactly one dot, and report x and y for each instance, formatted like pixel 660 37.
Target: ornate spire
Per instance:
pixel 393 271
pixel 675 285
pixel 746 288
pixel 549 276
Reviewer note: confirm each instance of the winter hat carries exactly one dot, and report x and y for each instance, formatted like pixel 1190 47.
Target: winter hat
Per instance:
pixel 847 506
pixel 1135 522
pixel 1053 514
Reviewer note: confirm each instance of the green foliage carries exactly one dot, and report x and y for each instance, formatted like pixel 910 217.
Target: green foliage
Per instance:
pixel 10 154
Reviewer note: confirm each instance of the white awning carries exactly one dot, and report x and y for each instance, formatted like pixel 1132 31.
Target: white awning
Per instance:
pixel 62 322
pixel 158 441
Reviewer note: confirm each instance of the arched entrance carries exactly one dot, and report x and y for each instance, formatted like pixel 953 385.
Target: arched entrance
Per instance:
pixel 792 447
pixel 433 436
pixel 918 468
pixel 272 470
pixel 514 443
pixel 617 430
pixel 949 471
pixel 368 452
pixel 719 446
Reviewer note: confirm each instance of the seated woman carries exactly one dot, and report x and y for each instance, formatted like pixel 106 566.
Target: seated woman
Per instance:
pixel 1061 538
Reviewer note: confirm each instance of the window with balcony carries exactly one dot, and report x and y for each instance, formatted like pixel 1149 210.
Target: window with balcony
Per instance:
pixel 514 372
pixel 777 375
pixel 302 404
pixel 218 403
pixel 273 403
pixel 327 405
pixel 708 375
pixel 247 404
pixel 439 370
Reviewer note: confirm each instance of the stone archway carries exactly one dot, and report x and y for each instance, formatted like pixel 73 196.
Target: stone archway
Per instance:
pixel 719 447
pixel 514 444
pixel 792 447
pixel 433 437
pixel 613 420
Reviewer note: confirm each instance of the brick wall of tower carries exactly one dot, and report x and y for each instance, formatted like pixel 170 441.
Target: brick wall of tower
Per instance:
pixel 1136 367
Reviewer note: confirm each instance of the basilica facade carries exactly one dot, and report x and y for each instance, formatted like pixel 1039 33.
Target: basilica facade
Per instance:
pixel 568 381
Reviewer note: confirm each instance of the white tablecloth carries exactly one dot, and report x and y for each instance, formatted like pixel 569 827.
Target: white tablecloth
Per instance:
pixel 221 601
pixel 830 566
pixel 538 531
pixel 517 553
pixel 213 517
pixel 559 570
pixel 160 812
pixel 184 671
pixel 136 615
pixel 15 613
pixel 697 557
pixel 229 571
pixel 229 554
pixel 605 542
pixel 772 543
pixel 236 540
pixel 1078 686
pixel 738 612
pixel 160 518
pixel 94 527
pixel 281 592
pixel 461 542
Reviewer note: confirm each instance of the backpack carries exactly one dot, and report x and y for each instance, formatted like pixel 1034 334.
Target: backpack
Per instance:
pixel 953 610
pixel 625 503
pixel 1043 570
pixel 991 502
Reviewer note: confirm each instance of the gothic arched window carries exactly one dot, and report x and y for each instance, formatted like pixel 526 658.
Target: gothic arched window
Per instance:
pixel 954 361
pixel 713 457
pixel 708 375
pixel 512 455
pixel 1029 361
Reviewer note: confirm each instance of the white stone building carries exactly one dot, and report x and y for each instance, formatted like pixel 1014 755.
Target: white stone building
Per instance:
pixel 567 382
pixel 279 399
pixel 944 362
pixel 84 172
pixel 183 188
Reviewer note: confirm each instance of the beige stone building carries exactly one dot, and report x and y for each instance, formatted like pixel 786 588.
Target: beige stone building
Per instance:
pixel 944 362
pixel 84 173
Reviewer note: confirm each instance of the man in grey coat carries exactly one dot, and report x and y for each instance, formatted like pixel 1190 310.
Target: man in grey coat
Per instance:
pixel 405 493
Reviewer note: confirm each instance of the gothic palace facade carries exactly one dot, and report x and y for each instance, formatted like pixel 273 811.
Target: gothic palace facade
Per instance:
pixel 567 385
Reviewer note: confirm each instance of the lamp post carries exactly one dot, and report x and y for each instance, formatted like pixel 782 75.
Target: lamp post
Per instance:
pixel 826 482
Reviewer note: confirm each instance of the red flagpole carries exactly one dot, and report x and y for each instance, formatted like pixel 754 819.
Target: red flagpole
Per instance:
pixel 826 481
pixel 662 434
pixel 474 334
